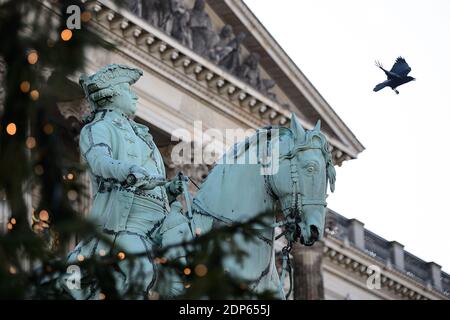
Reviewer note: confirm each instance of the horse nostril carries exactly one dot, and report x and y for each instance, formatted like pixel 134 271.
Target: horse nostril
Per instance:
pixel 314 233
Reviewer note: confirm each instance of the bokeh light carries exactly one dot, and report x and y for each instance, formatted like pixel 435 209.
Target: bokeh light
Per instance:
pixel 39 170
pixel 201 270
pixel 34 95
pixel 187 271
pixel 72 195
pixel 25 86
pixel 30 142
pixel 66 34
pixel 43 215
pixel 33 57
pixel 48 129
pixel 11 129
pixel 86 16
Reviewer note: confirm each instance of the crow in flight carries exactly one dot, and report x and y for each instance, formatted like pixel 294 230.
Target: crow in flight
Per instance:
pixel 396 77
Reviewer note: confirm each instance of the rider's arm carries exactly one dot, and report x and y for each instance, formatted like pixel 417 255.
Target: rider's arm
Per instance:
pixel 96 148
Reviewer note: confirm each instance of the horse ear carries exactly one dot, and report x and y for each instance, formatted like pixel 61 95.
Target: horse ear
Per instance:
pixel 317 127
pixel 297 129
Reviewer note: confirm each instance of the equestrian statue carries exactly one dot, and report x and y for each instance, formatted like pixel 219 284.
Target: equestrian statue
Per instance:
pixel 135 207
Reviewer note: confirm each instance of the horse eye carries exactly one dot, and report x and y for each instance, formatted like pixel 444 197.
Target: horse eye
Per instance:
pixel 310 169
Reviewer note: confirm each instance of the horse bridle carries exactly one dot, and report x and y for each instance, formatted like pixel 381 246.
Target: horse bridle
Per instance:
pixel 298 201
pixel 291 220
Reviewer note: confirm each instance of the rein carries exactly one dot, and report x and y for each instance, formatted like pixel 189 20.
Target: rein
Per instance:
pixel 291 219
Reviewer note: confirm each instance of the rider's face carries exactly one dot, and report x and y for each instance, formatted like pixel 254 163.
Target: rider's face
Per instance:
pixel 126 100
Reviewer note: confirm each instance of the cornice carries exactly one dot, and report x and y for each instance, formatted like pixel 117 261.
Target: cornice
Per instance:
pixel 357 263
pixel 295 75
pixel 163 56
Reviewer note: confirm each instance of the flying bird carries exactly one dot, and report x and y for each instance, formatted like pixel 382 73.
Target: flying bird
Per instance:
pixel 396 77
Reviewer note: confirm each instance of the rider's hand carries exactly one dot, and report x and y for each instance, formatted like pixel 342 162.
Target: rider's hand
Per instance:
pixel 175 187
pixel 146 181
pixel 153 181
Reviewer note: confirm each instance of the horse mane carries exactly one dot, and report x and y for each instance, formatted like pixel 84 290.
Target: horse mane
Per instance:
pixel 239 149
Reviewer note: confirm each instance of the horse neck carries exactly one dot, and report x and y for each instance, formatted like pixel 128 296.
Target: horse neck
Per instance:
pixel 235 192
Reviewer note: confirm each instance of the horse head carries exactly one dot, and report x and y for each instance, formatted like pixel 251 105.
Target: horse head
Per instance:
pixel 305 170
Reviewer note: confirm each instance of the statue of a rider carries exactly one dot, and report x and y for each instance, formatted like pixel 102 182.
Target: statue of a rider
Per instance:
pixel 132 198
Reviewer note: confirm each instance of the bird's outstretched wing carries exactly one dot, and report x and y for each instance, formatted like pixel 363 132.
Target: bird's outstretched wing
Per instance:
pixel 400 67
pixel 389 74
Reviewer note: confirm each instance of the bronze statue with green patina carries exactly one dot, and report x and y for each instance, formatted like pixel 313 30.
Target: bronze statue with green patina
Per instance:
pixel 132 199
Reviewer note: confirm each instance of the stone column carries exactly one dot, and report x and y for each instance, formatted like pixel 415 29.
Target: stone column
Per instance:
pixel 356 233
pixel 308 278
pixel 397 255
pixel 435 273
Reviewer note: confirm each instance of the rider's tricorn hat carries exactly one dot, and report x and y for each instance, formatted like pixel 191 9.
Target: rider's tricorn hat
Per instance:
pixel 101 84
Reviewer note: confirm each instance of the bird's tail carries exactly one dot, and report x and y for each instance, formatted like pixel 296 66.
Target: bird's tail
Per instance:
pixel 379 86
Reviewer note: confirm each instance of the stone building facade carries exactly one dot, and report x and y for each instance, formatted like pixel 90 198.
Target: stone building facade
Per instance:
pixel 212 61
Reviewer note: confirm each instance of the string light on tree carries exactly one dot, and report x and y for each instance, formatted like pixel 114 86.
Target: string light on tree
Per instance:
pixel 25 86
pixel 30 142
pixel 32 57
pixel 44 215
pixel 11 129
pixel 48 129
pixel 34 95
pixel 187 271
pixel 86 16
pixel 201 270
pixel 39 170
pixel 12 270
pixel 66 34
pixel 72 195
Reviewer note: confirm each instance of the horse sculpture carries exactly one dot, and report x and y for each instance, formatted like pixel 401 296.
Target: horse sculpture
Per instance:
pixel 296 185
pixel 235 193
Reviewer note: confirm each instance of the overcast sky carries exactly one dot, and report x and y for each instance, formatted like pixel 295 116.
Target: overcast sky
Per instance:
pixel 399 185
